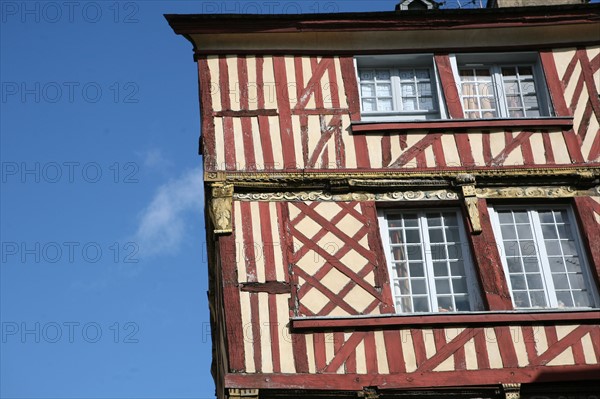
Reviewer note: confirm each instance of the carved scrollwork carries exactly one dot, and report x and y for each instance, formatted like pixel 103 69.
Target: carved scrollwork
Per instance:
pixel 512 390
pixel 235 393
pixel 354 196
pixel 528 192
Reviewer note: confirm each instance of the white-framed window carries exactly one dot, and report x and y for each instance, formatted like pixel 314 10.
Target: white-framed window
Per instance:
pixel 542 256
pixel 429 261
pixel 510 85
pixel 490 85
pixel 399 88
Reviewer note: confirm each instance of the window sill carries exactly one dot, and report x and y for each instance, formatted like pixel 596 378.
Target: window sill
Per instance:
pixel 437 319
pixel 371 126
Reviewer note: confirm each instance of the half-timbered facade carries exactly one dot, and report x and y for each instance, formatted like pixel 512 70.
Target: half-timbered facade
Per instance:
pixel 402 204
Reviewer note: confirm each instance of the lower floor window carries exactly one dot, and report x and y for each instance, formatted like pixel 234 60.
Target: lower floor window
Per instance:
pixel 429 261
pixel 543 258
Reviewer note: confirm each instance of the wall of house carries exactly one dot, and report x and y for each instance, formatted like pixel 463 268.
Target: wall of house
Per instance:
pixel 319 233
pixel 294 258
pixel 295 114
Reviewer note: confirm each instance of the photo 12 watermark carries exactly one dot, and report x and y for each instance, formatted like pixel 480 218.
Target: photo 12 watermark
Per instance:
pixel 53 332
pixel 68 252
pixel 69 172
pixel 71 12
pixel 69 92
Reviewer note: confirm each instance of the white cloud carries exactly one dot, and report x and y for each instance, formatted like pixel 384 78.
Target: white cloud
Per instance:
pixel 164 222
pixel 154 158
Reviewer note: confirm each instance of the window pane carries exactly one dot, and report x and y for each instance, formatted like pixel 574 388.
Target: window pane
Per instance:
pixel 459 285
pixel 424 89
pixel 432 271
pixel 531 264
pixel 421 304
pixel 436 235
pixel 411 221
pixel 457 268
pixel 581 299
pixel 561 282
pixel 442 286
pixel 564 299
pixel 445 304
pixel 385 104
pixel 440 269
pixel 426 103
pixel 367 74
pixel 538 299
pixel 548 270
pixel 384 90
pixel 383 74
pixel 418 286
pixel 408 90
pixel 369 105
pixel 401 269
pixel 417 270
pixel 409 104
pixel 534 282
pixel 521 299
pixel 462 303
pixel 518 282
pixel 367 90
pixel 514 265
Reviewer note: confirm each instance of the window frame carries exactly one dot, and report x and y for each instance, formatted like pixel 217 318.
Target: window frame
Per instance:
pixel 494 62
pixel 397 63
pixel 545 270
pixel 474 292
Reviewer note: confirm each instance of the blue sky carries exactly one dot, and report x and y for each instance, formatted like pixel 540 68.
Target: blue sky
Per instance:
pixel 103 264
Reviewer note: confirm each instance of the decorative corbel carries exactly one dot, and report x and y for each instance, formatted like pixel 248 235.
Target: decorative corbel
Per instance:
pixel 235 393
pixel 469 194
pixel 220 209
pixel 512 391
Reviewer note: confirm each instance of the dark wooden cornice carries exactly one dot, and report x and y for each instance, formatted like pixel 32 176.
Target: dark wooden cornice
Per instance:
pixel 373 21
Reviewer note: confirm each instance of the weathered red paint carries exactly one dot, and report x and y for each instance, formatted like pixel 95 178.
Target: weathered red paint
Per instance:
pixel 554 84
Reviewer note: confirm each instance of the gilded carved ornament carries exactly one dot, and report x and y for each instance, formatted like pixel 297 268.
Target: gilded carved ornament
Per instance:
pixel 512 391
pixel 469 194
pixel 235 393
pixel 221 208
pixel 298 175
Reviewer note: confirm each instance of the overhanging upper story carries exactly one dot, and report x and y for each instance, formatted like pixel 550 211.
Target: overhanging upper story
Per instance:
pixel 325 91
pixel 380 185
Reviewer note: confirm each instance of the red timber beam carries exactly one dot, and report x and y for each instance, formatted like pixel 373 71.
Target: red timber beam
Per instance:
pixel 356 382
pixel 587 210
pixel 449 86
pixel 231 303
pixel 488 263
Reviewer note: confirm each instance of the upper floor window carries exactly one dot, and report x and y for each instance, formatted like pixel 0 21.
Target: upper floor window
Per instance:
pixel 543 258
pixel 429 261
pixel 398 87
pixel 408 87
pixel 507 85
